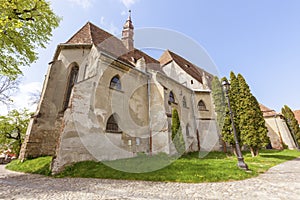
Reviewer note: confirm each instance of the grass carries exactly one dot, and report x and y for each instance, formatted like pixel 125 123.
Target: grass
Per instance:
pixel 216 166
pixel 39 165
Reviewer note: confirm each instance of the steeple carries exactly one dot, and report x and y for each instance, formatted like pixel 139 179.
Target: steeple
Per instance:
pixel 127 33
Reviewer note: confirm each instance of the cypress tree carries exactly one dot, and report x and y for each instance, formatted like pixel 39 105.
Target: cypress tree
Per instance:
pixel 227 132
pixel 292 123
pixel 177 136
pixel 253 131
pixel 219 101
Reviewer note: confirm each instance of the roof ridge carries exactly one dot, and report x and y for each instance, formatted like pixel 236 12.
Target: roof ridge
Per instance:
pixel 87 24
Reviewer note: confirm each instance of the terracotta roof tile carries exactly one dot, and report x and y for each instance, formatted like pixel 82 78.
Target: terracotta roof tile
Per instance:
pixel 297 115
pixel 187 66
pixel 267 112
pixel 91 34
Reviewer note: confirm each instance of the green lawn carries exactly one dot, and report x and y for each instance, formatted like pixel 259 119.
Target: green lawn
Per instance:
pixel 216 166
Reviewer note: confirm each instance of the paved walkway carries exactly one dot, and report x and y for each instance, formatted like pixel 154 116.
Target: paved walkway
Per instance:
pixel 280 182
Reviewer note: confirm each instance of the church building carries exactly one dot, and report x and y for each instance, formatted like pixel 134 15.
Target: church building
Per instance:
pixel 103 99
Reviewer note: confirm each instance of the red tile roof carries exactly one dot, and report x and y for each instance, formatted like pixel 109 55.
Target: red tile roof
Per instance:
pixel 267 112
pixel 91 34
pixel 187 66
pixel 297 115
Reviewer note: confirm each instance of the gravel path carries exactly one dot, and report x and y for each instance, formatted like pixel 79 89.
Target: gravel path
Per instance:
pixel 280 182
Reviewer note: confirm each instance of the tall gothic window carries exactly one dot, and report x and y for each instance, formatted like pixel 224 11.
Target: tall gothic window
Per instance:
pixel 184 102
pixel 171 97
pixel 201 106
pixel 71 82
pixel 115 83
pixel 112 124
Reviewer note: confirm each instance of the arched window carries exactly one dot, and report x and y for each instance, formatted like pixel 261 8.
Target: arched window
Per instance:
pixel 184 102
pixel 187 131
pixel 171 97
pixel 71 82
pixel 112 124
pixel 201 106
pixel 115 83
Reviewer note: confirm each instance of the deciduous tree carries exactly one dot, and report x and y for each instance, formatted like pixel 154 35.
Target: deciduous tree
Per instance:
pixel 13 128
pixel 7 88
pixel 24 26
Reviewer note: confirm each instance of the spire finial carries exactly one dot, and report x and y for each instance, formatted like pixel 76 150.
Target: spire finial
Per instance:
pixel 129 14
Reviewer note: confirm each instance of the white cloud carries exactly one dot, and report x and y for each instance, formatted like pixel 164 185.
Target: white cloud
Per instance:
pixel 83 3
pixel 23 98
pixel 110 27
pixel 129 3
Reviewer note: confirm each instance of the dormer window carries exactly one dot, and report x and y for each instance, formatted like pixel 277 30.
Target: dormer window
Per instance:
pixel 186 65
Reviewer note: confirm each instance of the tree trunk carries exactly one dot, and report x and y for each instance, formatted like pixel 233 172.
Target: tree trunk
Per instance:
pixel 252 151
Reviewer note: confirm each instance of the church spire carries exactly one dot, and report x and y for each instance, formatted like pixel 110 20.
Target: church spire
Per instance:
pixel 127 33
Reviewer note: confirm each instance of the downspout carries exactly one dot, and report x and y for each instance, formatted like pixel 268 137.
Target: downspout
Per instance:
pixel 149 111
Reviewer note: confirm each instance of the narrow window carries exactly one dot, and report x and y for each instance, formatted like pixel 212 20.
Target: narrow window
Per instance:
pixel 71 82
pixel 187 131
pixel 201 106
pixel 184 102
pixel 115 83
pixel 112 124
pixel 192 82
pixel 171 97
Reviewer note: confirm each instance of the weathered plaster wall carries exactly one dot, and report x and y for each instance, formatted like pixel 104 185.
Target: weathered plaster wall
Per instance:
pixel 177 73
pixel 45 126
pixel 278 125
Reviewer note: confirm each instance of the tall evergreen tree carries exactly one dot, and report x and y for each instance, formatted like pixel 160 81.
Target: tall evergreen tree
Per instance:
pixel 291 122
pixel 219 101
pixel 253 131
pixel 177 136
pixel 227 132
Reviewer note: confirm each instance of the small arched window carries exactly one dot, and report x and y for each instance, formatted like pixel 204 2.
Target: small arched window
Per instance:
pixel 71 82
pixel 171 97
pixel 112 124
pixel 184 102
pixel 201 106
pixel 115 83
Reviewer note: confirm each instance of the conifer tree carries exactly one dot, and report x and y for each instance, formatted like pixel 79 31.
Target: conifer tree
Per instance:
pixel 219 101
pixel 177 136
pixel 253 131
pixel 291 122
pixel 227 134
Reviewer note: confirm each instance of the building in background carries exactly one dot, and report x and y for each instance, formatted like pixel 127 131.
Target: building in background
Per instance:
pixel 278 130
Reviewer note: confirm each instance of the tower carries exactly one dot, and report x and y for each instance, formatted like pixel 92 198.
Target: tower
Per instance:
pixel 127 33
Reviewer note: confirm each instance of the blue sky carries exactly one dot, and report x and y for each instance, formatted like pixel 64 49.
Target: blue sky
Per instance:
pixel 259 38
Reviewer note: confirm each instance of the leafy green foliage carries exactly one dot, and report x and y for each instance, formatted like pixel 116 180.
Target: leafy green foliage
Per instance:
pixel 177 136
pixel 291 122
pixel 227 132
pixel 24 26
pixel 216 166
pixel 253 131
pixel 13 128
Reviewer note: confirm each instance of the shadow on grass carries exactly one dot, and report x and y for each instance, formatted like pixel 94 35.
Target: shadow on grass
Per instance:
pixel 281 157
